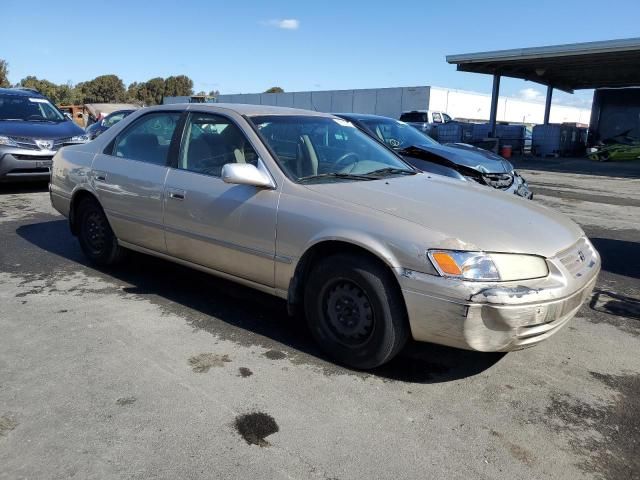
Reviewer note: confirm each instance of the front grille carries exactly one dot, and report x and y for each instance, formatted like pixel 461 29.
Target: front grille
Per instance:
pixel 26 142
pixel 30 143
pixel 60 142
pixel 501 181
pixel 577 256
pixel 31 157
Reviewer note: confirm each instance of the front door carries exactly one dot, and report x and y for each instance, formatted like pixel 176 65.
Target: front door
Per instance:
pixel 229 228
pixel 129 179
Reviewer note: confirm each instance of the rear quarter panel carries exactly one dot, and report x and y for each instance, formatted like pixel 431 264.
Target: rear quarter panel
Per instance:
pixel 70 172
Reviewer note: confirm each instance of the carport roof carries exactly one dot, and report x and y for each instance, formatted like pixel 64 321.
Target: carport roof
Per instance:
pixel 611 63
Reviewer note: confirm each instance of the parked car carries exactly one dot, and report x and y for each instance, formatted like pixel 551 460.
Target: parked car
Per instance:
pixel 95 129
pixel 307 207
pixel 456 160
pixel 424 120
pixel 32 129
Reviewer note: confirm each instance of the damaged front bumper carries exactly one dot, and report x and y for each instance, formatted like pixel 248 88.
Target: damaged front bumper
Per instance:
pixel 500 316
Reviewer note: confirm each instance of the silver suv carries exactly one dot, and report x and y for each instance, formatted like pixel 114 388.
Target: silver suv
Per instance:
pixel 307 207
pixel 32 129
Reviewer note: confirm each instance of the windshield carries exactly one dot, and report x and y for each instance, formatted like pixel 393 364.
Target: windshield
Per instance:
pixel 29 109
pixel 310 148
pixel 398 135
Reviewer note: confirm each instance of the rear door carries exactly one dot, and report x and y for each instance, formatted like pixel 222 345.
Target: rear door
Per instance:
pixel 229 228
pixel 129 178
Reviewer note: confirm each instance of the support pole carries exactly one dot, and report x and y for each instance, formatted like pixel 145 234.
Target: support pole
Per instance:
pixel 495 92
pixel 547 105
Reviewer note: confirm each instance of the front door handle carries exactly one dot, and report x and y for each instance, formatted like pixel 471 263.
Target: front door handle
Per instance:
pixel 177 194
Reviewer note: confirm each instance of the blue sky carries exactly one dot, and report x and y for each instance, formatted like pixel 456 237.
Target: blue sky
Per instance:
pixel 249 46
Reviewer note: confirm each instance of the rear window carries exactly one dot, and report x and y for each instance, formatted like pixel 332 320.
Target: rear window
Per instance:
pixel 414 117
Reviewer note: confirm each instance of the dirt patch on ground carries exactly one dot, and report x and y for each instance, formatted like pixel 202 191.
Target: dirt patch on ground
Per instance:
pixel 126 401
pixel 245 372
pixel 6 425
pixel 607 436
pixel 205 361
pixel 275 355
pixel 517 451
pixel 255 427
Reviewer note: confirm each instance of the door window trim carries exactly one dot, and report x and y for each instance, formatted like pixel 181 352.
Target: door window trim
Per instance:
pixel 177 134
pixel 180 145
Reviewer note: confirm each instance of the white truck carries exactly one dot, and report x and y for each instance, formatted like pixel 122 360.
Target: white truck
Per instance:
pixel 424 120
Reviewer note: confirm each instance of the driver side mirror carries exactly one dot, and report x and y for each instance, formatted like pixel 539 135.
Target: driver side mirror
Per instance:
pixel 245 174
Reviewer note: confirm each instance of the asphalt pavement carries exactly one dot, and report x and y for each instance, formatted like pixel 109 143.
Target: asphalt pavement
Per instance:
pixel 152 370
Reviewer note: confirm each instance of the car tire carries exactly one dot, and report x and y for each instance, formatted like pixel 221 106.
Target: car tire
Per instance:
pixel 355 310
pixel 97 240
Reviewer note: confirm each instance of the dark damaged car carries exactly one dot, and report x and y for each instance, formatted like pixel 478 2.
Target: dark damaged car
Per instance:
pixel 456 160
pixel 32 129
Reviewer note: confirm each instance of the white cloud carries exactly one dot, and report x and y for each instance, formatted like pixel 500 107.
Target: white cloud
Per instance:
pixel 531 94
pixel 284 23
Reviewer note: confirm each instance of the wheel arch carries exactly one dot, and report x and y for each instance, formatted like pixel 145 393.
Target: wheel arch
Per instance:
pixel 324 248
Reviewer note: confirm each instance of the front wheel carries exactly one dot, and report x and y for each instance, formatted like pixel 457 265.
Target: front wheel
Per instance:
pixel 97 240
pixel 355 310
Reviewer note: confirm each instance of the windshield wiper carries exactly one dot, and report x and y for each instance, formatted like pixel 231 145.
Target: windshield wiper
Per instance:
pixel 390 171
pixel 349 176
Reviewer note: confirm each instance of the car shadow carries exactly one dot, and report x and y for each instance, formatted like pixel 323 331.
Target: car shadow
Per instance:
pixel 613 303
pixel 618 256
pixel 206 301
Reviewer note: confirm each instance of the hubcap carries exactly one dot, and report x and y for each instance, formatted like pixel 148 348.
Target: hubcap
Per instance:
pixel 95 232
pixel 349 312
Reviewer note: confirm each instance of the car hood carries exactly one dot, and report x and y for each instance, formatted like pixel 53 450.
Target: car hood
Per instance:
pixel 461 215
pixel 476 158
pixel 40 130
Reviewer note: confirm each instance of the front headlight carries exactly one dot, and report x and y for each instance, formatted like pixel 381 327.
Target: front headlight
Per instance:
pixel 7 141
pixel 489 267
pixel 79 139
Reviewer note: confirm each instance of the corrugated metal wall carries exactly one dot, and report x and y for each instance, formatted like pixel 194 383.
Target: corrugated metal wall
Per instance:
pixel 390 102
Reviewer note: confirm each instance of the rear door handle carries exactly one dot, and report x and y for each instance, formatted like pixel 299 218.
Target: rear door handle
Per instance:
pixel 100 177
pixel 177 194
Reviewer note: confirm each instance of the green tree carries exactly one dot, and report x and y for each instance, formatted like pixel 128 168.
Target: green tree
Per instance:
pixel 132 92
pixel 151 91
pixel 178 86
pixel 4 74
pixel 274 90
pixel 67 94
pixel 103 89
pixel 45 87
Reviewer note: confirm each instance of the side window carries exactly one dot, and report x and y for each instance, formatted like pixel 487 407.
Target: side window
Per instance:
pixel 148 139
pixel 113 119
pixel 446 117
pixel 437 118
pixel 210 142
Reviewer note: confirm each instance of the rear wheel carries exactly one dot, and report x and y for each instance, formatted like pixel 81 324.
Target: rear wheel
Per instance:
pixel 355 310
pixel 97 240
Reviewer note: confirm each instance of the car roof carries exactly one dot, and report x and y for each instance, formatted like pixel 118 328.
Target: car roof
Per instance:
pixel 244 109
pixel 20 92
pixel 364 116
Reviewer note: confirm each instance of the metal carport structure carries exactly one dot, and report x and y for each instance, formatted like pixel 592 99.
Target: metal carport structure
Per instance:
pixel 611 63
